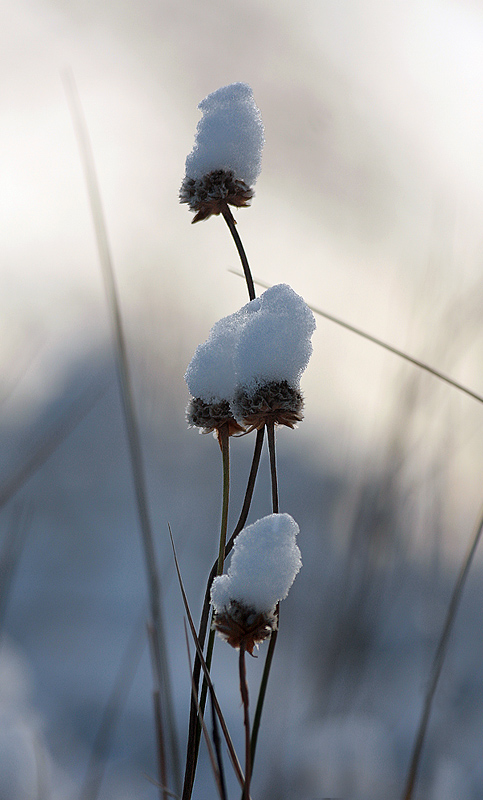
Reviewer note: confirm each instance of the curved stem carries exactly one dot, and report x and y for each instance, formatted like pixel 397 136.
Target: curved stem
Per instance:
pixel 438 661
pixel 230 221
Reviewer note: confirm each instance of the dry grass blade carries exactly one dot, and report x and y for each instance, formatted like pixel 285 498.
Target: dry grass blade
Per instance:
pixel 217 745
pixel 161 677
pixel 211 752
pixel 51 443
pixel 103 740
pixel 229 743
pixel 10 554
pixel 389 347
pixel 439 660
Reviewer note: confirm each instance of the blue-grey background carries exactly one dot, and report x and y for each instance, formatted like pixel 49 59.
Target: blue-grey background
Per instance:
pixel 369 204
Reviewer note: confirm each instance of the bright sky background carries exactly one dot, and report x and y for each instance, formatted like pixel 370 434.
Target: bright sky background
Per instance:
pixel 369 203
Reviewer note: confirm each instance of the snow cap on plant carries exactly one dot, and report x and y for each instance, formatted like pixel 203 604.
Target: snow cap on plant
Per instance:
pixel 273 350
pixel 225 161
pixel 211 378
pixel 263 567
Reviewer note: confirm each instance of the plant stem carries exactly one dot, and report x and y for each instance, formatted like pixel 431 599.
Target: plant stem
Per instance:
pixel 192 753
pixel 246 720
pixel 273 638
pixel 230 221
pixel 439 660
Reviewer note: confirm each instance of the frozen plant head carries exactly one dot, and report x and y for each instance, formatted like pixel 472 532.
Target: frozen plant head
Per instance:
pixel 273 350
pixel 263 566
pixel 211 378
pixel 225 162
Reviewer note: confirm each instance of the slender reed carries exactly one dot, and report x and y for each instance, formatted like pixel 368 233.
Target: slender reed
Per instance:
pixel 246 719
pixel 273 638
pixel 389 347
pixel 194 730
pixel 104 736
pixel 439 660
pixel 162 690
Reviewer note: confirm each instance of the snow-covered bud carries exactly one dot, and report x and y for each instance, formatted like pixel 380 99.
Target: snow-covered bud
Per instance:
pixel 225 161
pixel 263 567
pixel 211 379
pixel 273 350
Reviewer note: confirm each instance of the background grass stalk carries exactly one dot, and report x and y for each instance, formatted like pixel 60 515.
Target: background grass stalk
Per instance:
pixel 163 699
pixel 439 660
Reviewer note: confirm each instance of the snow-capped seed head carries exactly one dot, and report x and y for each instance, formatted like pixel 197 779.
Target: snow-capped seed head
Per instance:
pixel 225 161
pixel 212 417
pixel 263 566
pixel 276 402
pixel 275 343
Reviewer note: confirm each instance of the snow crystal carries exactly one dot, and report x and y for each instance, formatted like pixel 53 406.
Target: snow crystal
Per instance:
pixel 274 344
pixel 229 135
pixel 263 566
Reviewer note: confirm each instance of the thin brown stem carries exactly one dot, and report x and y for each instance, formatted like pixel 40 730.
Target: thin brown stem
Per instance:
pixel 246 720
pixel 273 464
pixel 230 221
pixel 191 750
pixel 438 662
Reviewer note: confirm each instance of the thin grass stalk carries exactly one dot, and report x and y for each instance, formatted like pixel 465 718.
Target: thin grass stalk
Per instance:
pixel 224 440
pixel 211 752
pixel 205 614
pixel 273 638
pixel 218 751
pixel 161 677
pixel 224 728
pixel 439 660
pixel 380 343
pixel 11 552
pixel 55 438
pixel 115 704
pixel 246 720
pixel 231 222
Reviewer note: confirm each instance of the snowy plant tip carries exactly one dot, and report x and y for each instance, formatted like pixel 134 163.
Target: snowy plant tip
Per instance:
pixel 226 158
pixel 263 567
pixel 251 363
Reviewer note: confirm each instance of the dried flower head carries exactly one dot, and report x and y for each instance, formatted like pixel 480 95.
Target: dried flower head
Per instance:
pixel 240 625
pixel 225 162
pixel 276 401
pixel 209 195
pixel 212 417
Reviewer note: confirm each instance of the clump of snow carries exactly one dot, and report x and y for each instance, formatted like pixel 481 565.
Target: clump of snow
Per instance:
pixel 263 566
pixel 229 136
pixel 267 340
pixel 274 344
pixel 211 372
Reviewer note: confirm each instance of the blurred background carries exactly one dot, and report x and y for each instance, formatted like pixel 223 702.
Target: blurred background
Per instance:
pixel 369 205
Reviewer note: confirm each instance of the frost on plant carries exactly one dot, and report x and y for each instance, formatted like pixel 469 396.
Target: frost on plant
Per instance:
pixel 263 567
pixel 226 158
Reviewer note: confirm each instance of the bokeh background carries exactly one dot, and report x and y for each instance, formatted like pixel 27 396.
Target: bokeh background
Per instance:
pixel 369 204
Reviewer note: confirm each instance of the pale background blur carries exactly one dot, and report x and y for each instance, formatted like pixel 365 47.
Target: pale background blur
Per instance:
pixel 369 204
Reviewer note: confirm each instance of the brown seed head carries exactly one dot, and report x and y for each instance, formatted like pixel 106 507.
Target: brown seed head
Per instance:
pixel 276 401
pixel 209 194
pixel 211 417
pixel 240 625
